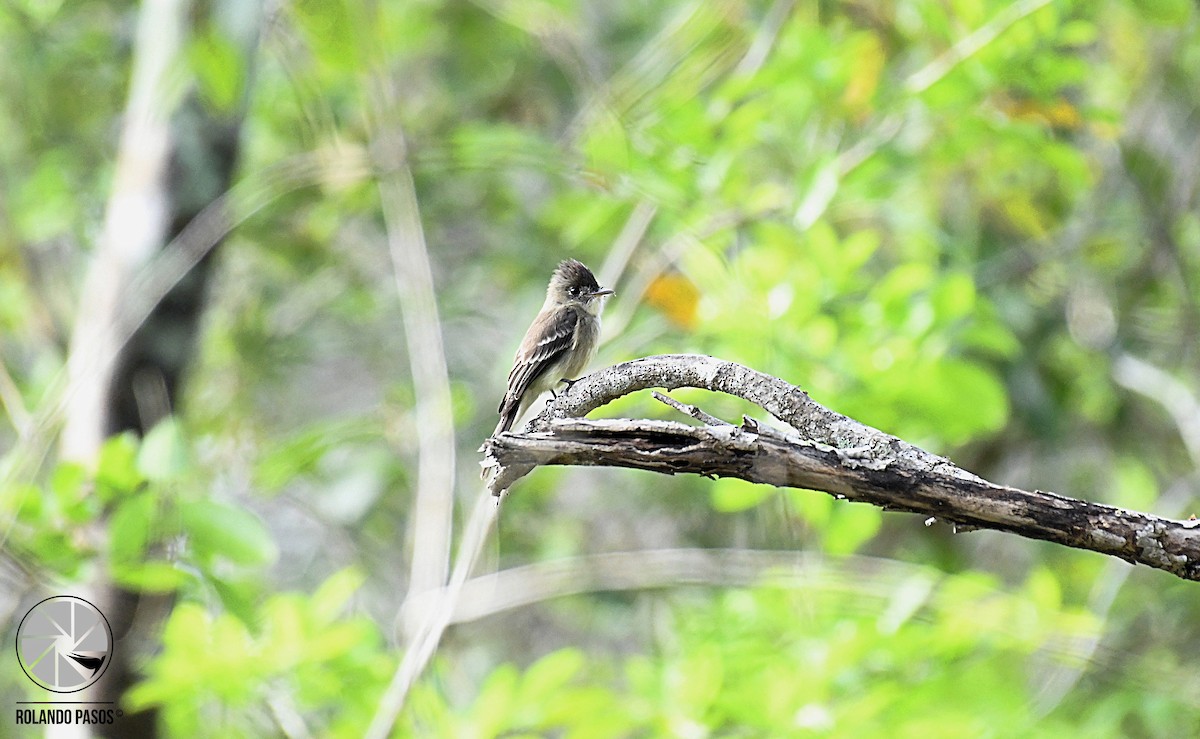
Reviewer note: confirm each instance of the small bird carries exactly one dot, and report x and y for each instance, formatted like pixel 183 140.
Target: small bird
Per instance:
pixel 559 343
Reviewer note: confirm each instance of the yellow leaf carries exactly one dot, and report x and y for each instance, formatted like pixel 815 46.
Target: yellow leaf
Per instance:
pixel 1058 113
pixel 676 297
pixel 868 60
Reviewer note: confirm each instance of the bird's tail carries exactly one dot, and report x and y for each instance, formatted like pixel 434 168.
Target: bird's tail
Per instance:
pixel 509 410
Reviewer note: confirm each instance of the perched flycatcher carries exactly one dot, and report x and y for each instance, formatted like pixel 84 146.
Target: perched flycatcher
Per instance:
pixel 559 343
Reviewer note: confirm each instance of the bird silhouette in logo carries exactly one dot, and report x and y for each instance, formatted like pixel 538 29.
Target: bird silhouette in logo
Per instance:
pixel 88 663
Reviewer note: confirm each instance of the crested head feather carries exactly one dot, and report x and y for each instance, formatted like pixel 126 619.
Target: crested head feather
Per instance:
pixel 572 272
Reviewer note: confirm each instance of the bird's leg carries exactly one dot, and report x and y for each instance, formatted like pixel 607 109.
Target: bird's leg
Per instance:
pixel 570 383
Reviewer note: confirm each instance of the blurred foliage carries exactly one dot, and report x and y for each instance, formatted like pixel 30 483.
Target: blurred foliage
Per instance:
pixel 951 220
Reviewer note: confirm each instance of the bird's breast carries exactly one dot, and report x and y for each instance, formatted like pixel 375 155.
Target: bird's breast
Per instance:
pixel 587 336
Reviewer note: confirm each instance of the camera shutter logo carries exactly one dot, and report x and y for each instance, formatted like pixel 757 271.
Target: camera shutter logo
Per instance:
pixel 64 643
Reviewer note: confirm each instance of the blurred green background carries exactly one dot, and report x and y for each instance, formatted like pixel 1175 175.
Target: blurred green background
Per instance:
pixel 970 223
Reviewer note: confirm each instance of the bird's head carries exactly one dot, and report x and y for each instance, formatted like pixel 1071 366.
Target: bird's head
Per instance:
pixel 573 282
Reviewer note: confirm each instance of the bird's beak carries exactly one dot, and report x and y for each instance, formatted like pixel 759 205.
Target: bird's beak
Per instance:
pixel 602 291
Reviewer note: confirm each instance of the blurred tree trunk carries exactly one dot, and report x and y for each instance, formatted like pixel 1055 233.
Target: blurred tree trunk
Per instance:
pixel 175 161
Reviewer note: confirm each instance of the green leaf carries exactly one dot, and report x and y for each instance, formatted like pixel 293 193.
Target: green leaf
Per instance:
pixel 67 485
pixel 1166 12
pixel 607 148
pixel 42 201
pixel 329 34
pixel 151 577
pixel 549 675
pixel 240 596
pixel 331 597
pixel 490 712
pixel 131 527
pixel 164 452
pixel 1044 590
pixel 957 399
pixel 895 291
pixel 953 296
pixel 26 500
pixel 220 72
pixel 1134 484
pixel 698 679
pixel 850 526
pixel 814 506
pixel 117 473
pixel 1079 33
pixel 221 530
pixel 301 453
pixel 730 495
pixel 991 337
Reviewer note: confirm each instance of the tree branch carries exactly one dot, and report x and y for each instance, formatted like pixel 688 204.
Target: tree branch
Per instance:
pixel 832 453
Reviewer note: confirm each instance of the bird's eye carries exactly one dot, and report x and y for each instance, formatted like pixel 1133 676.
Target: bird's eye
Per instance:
pixel 573 290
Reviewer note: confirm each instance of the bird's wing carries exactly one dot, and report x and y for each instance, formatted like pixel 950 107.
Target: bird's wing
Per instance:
pixel 556 333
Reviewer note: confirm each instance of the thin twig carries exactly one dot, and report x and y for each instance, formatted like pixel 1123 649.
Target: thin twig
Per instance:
pixel 764 39
pixel 971 44
pixel 286 716
pixel 14 405
pixel 689 410
pixel 1176 399
pixel 438 618
pixel 518 587
pixel 433 507
pixel 627 242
